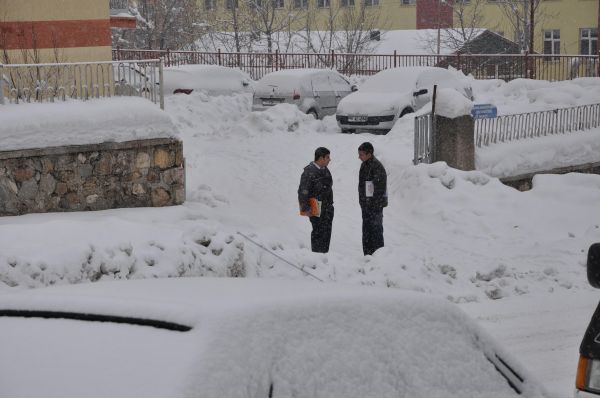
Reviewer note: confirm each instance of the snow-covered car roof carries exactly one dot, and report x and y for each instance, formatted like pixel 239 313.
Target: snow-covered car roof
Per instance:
pixel 245 338
pixel 213 79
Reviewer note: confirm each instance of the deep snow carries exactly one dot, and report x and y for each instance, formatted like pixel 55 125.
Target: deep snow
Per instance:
pixel 460 235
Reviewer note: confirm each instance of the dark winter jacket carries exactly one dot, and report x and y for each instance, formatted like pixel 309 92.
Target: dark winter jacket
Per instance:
pixel 315 183
pixel 372 170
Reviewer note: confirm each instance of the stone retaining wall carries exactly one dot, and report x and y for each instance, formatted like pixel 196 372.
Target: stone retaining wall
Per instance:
pixel 103 176
pixel 524 182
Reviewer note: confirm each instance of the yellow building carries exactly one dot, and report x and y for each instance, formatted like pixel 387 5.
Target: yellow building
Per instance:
pixel 561 26
pixel 34 31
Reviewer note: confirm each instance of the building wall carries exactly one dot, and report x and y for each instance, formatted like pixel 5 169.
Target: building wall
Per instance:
pixel 55 30
pixel 569 16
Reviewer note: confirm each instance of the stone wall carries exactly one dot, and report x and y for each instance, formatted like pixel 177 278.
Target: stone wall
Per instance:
pixel 103 176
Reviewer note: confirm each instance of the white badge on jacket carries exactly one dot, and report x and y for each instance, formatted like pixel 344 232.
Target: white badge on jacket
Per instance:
pixel 369 189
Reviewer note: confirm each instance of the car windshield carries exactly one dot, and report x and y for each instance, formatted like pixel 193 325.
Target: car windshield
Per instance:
pixel 75 358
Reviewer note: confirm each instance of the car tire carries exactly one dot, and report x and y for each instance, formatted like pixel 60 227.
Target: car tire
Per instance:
pixel 313 113
pixel 405 111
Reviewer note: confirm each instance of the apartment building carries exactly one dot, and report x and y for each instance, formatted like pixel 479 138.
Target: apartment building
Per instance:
pixel 34 31
pixel 561 26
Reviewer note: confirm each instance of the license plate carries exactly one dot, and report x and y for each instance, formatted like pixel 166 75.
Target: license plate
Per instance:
pixel 357 118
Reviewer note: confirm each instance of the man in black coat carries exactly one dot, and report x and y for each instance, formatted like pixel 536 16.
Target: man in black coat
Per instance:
pixel 315 186
pixel 372 196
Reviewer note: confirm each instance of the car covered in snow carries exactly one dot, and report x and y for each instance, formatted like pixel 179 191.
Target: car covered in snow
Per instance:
pixel 210 79
pixel 255 338
pixel 316 92
pixel 587 383
pixel 392 93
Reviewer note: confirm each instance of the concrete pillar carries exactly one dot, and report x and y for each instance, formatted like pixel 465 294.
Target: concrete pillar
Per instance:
pixel 455 142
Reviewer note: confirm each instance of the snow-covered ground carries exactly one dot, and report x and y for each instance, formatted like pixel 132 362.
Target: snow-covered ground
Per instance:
pixel 514 260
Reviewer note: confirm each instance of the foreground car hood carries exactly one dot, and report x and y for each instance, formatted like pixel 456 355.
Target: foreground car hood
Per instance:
pixel 373 103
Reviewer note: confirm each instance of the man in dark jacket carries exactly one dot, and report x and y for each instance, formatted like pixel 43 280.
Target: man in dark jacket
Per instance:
pixel 315 186
pixel 372 196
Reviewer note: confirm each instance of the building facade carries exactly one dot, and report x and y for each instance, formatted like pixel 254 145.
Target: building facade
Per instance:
pixel 34 31
pixel 560 26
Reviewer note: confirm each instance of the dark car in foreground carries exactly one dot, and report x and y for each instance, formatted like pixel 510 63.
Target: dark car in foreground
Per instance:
pixel 588 370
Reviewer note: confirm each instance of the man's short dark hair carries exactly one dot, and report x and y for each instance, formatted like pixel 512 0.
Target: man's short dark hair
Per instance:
pixel 366 147
pixel 320 152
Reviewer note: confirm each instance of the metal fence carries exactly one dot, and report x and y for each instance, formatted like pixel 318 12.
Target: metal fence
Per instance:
pixel 424 139
pixel 536 124
pixel 81 81
pixel 481 66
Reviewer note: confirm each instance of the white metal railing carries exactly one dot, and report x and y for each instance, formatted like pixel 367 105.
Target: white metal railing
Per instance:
pixel 81 81
pixel 535 124
pixel 424 139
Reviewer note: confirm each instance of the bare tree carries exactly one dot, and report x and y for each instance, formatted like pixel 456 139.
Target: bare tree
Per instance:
pixel 162 24
pixel 523 17
pixel 468 20
pixel 348 28
pixel 270 18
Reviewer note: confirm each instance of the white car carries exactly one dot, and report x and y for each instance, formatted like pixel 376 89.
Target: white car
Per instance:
pixel 255 338
pixel 211 79
pixel 392 93
pixel 316 92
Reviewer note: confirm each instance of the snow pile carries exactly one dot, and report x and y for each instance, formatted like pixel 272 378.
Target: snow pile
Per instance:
pixel 115 119
pixel 452 104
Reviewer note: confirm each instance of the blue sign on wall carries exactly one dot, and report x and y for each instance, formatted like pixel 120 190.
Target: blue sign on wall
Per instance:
pixel 481 111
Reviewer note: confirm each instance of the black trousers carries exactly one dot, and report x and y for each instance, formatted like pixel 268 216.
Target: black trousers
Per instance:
pixel 321 230
pixel 372 229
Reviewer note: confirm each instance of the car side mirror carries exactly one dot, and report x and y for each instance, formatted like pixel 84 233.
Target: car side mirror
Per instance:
pixel 593 265
pixel 353 88
pixel 420 92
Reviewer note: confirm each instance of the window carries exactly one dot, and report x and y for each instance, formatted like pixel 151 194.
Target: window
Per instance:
pixel 231 3
pixel 347 3
pixel 408 2
pixel 300 3
pixel 552 43
pixel 589 41
pixel 323 3
pixel 371 3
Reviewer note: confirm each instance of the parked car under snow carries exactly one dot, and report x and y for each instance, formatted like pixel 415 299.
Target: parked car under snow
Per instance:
pixel 316 92
pixel 393 93
pixel 256 338
pixel 211 79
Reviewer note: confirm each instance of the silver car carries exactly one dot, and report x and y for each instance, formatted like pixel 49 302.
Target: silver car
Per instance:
pixel 316 92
